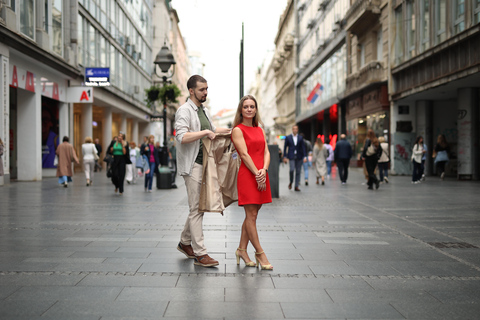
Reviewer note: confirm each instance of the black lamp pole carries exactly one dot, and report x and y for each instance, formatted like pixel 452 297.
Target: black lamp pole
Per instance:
pixel 164 60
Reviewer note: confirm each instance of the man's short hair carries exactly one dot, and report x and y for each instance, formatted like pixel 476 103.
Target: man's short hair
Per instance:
pixel 192 82
pixel 66 139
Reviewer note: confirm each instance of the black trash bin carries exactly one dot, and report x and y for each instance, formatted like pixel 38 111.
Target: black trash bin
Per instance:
pixel 273 170
pixel 164 178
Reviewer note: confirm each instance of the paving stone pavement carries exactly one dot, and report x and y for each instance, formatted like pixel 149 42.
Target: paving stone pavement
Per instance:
pixel 339 252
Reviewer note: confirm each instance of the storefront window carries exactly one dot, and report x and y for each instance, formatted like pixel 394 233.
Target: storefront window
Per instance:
pixel 49 131
pixel 27 17
pixel 357 130
pixel 57 38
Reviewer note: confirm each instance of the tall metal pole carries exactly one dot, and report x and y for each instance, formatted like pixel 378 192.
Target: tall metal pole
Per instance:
pixel 241 65
pixel 164 155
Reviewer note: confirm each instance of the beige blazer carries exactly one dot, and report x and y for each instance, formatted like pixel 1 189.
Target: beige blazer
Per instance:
pixel 220 170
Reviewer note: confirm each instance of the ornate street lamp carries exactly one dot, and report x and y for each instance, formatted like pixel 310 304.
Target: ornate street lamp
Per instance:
pixel 164 60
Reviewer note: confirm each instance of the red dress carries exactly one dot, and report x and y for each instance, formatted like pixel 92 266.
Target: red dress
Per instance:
pixel 248 192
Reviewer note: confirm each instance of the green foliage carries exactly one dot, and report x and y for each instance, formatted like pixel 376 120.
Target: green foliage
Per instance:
pixel 166 93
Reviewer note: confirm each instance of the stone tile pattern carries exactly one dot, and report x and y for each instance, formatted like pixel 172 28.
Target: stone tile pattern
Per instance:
pixel 339 252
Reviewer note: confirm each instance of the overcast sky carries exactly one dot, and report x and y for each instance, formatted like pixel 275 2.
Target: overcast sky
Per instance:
pixel 214 28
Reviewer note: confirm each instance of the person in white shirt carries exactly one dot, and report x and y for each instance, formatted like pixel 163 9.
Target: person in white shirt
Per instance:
pixel 417 154
pixel 89 155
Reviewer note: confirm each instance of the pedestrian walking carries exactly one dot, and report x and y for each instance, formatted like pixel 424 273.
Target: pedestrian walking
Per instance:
pixel 2 148
pixel 424 157
pixel 417 154
pixel 295 154
pixel 131 175
pixel 253 184
pixel 152 156
pixel 192 123
pixel 330 157
pixel 441 155
pixel 66 155
pixel 320 155
pixel 308 163
pixel 90 155
pixel 342 154
pixel 371 153
pixel 384 160
pixel 98 146
pixel 120 151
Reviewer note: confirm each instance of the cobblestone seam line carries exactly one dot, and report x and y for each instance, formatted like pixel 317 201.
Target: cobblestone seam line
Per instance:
pixel 236 275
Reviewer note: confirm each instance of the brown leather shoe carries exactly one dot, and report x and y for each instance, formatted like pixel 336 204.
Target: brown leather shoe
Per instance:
pixel 205 261
pixel 289 186
pixel 187 250
pixel 297 189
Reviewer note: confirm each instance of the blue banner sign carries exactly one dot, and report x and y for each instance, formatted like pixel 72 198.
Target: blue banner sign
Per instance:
pixel 97 77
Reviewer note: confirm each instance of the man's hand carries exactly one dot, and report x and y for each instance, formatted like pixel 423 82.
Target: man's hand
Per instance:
pixel 285 160
pixel 210 134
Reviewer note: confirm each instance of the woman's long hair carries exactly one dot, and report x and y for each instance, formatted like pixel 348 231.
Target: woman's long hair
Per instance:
pixel 319 143
pixel 442 141
pixel 373 138
pixel 417 141
pixel 238 116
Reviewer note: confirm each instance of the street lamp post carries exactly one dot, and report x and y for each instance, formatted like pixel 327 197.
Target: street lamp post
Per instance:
pixel 164 60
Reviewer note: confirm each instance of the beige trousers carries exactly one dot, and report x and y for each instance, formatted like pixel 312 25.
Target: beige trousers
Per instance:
pixel 192 233
pixel 89 165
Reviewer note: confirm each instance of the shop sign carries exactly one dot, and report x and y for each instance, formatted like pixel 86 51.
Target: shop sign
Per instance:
pixel 97 77
pixel 80 94
pixel 156 119
pixel 52 90
pixel 21 78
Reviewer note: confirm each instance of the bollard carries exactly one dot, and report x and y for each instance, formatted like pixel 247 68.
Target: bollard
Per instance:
pixel 164 178
pixel 273 170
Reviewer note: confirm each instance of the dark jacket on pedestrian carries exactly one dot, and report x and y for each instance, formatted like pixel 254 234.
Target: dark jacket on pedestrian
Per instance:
pixel 343 150
pixel 98 146
pixel 148 153
pixel 290 148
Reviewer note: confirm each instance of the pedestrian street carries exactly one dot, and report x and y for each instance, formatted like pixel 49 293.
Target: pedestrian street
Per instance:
pixel 339 252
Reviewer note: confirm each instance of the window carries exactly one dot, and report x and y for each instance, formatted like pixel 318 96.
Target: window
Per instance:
pixel 362 55
pixel 92 47
pixel 113 64
pixel 425 24
pixel 476 11
pixel 57 37
pixel 459 12
pixel 45 17
pixel 81 45
pixel 399 35
pixel 27 17
pixel 380 44
pixel 411 21
pixel 103 51
pixel 441 20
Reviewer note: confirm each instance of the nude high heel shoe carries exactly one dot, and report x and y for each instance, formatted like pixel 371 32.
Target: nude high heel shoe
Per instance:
pixel 248 264
pixel 262 266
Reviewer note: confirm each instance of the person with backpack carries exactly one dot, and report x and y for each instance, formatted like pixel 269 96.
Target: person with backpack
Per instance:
pixel 371 153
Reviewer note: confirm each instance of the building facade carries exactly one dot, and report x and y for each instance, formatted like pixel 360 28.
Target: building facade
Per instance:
pixel 366 104
pixel 321 66
pixel 435 81
pixel 45 50
pixel 284 68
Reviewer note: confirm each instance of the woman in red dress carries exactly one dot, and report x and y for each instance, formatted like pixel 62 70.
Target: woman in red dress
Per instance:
pixel 252 183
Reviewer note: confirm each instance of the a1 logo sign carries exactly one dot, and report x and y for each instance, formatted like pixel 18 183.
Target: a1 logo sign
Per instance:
pixel 86 95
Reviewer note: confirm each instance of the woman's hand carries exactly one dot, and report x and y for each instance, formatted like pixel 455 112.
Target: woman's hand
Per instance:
pixel 261 176
pixel 261 186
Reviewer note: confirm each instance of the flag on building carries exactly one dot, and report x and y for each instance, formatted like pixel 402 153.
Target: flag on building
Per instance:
pixel 316 92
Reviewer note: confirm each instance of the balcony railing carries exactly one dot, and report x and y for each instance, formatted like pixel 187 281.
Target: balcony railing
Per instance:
pixel 371 73
pixel 362 15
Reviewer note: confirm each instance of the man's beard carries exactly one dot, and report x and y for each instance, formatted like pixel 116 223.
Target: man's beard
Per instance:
pixel 202 100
